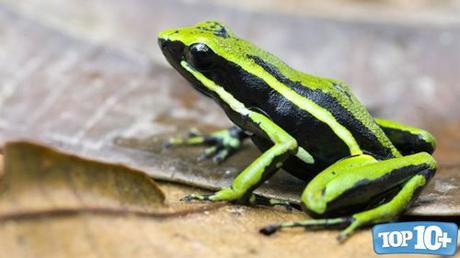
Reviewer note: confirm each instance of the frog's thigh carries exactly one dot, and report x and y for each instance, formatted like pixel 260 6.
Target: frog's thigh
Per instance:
pixel 341 186
pixel 407 139
pixel 361 184
pixel 265 165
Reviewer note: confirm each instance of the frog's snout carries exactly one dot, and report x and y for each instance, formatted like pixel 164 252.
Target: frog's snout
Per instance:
pixel 161 42
pixel 172 50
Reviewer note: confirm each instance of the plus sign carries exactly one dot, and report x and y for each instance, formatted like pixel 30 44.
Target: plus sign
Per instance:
pixel 444 240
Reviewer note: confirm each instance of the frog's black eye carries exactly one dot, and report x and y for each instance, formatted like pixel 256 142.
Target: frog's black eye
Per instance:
pixel 199 55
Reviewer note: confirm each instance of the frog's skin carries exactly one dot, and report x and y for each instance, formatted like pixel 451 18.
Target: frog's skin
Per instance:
pixel 360 170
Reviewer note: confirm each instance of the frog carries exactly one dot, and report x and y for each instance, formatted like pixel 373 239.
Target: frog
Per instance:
pixel 359 169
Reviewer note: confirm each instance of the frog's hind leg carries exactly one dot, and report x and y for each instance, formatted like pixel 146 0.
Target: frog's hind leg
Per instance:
pixel 390 210
pixel 341 189
pixel 408 140
pixel 222 143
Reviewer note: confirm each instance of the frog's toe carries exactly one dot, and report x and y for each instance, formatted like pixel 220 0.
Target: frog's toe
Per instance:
pixel 270 229
pixel 221 155
pixel 169 143
pixel 177 141
pixel 256 199
pixel 342 237
pixel 192 197
pixel 218 153
pixel 222 143
pixel 194 132
pixel 208 153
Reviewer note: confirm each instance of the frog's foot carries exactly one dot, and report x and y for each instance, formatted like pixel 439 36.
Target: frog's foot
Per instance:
pixel 223 143
pixel 252 200
pixel 218 153
pixel 256 199
pixel 310 224
pixel 225 194
pixel 192 197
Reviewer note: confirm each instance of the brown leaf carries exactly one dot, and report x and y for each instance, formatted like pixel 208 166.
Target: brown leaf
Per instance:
pixel 41 179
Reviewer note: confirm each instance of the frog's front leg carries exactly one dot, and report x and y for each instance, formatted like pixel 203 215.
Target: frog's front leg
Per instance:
pixel 260 169
pixel 222 143
pixel 387 187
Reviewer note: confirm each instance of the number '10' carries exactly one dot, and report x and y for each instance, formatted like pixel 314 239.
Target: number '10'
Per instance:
pixel 425 235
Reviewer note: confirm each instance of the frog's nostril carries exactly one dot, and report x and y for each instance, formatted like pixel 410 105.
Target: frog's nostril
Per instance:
pixel 161 42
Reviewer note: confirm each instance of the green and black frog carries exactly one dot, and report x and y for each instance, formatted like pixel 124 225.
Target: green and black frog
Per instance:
pixel 359 169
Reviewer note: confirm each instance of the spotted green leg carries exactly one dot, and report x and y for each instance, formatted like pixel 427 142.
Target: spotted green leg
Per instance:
pixel 222 143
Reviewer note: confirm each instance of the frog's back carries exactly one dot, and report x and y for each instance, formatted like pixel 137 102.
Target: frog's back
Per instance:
pixel 328 121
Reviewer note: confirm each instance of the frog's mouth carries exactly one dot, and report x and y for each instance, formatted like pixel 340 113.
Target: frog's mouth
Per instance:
pixel 174 53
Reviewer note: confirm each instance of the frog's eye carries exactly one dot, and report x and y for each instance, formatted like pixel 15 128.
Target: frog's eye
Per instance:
pixel 199 55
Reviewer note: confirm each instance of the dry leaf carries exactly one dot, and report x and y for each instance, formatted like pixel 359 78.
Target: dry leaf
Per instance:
pixel 54 204
pixel 39 179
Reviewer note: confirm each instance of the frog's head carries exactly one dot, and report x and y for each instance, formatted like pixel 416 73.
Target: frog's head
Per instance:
pixel 208 54
pixel 197 51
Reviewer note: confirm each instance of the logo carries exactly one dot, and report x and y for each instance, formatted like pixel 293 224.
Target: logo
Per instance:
pixel 422 237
